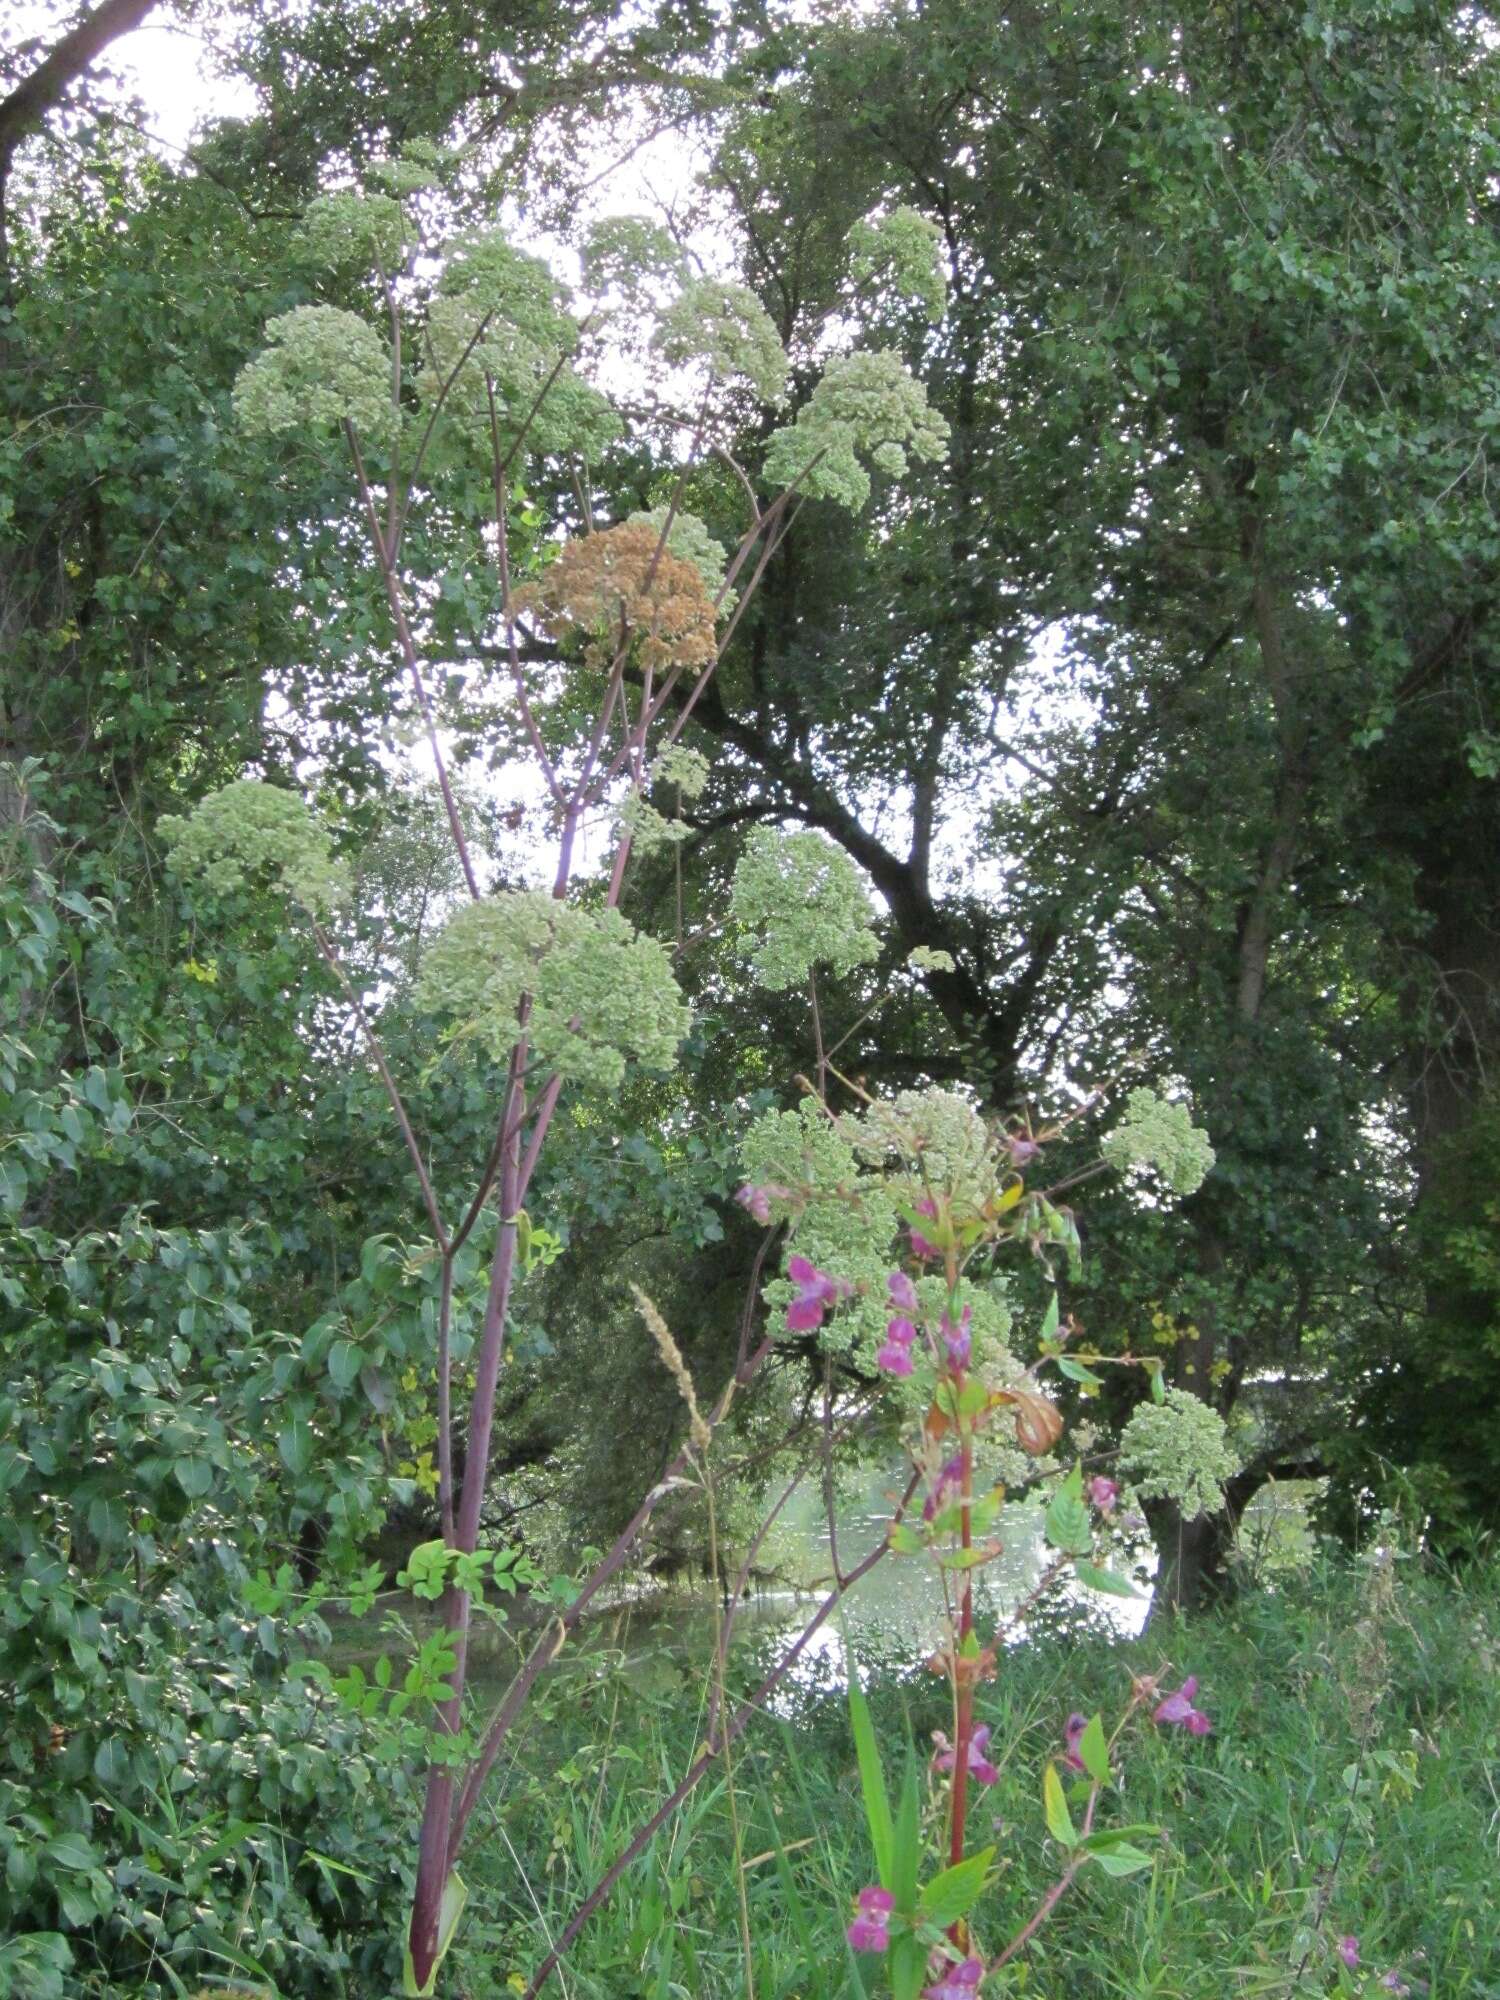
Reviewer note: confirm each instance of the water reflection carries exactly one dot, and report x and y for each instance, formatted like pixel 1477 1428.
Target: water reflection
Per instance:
pixel 894 1616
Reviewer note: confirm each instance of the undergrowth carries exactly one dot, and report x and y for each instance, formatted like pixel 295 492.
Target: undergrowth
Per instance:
pixel 1349 1790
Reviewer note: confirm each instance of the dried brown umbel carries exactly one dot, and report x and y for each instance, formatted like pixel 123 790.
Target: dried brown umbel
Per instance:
pixel 614 590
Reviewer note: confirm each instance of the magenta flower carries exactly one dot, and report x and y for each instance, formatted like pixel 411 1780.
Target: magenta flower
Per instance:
pixel 947 1480
pixel 869 1930
pixel 903 1292
pixel 1073 1735
pixel 919 1244
pixel 756 1201
pixel 895 1356
pixel 1022 1150
pixel 1393 1982
pixel 1348 1950
pixel 1104 1493
pixel 956 1981
pixel 958 1338
pixel 816 1292
pixel 1178 1708
pixel 980 1766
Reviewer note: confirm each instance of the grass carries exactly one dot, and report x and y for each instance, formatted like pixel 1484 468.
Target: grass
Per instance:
pixel 1349 1787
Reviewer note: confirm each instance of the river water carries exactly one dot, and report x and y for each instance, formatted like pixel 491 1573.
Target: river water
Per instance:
pixel 893 1617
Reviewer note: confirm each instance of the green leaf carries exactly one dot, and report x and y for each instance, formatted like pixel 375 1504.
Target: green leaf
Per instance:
pixel 1055 1805
pixel 71 1850
pixel 1050 1317
pixel 906 1963
pixel 954 1892
pixel 1106 1580
pixel 344 1363
pixel 1076 1372
pixel 194 1475
pixel 1067 1522
pixel 1094 1751
pixel 965 1558
pixel 907 1850
pixel 1122 1860
pixel 296 1446
pixel 872 1781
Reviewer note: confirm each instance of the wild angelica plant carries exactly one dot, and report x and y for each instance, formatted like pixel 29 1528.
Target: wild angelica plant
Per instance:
pixel 473 361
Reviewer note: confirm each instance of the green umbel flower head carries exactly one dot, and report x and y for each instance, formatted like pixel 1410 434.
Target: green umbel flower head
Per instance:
pixel 601 992
pixel 363 231
pixel 320 367
pixel 804 904
pixel 841 1186
pixel 865 404
pixel 901 251
pixel 501 316
pixel 727 326
pixel 252 835
pixel 1157 1133
pixel 689 540
pixel 1179 1450
pixel 623 250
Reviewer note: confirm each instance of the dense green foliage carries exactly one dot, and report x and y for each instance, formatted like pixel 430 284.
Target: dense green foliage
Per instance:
pixel 1341 1793
pixel 1152 690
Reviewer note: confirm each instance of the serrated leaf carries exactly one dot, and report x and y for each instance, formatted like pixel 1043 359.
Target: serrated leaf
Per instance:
pixel 1055 1806
pixel 1107 1580
pixel 1122 1860
pixel 1094 1751
pixel 1076 1372
pixel 954 1892
pixel 1050 1317
pixel 1067 1524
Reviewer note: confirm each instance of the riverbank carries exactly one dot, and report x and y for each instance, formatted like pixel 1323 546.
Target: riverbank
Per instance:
pixel 1348 1790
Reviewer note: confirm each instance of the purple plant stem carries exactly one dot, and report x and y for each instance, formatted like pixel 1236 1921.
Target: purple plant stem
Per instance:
pixel 546 1649
pixel 433 1862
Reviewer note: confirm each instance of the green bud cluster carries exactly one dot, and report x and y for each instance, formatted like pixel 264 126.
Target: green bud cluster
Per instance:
pixel 864 404
pixel 601 993
pixel 804 903
pixel 621 250
pixel 690 541
pixel 902 250
pixel 500 316
pixel 359 230
pixel 253 835
pixel 725 325
pixel 931 1139
pixel 321 367
pixel 1157 1133
pixel 841 1191
pixel 1178 1450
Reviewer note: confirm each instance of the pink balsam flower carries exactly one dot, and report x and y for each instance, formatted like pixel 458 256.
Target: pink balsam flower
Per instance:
pixel 869 1931
pixel 980 1766
pixel 895 1356
pixel 816 1292
pixel 1073 1736
pixel 1178 1709
pixel 903 1292
pixel 956 1981
pixel 958 1339
pixel 1104 1493
pixel 1348 1950
pixel 756 1201
pixel 920 1246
